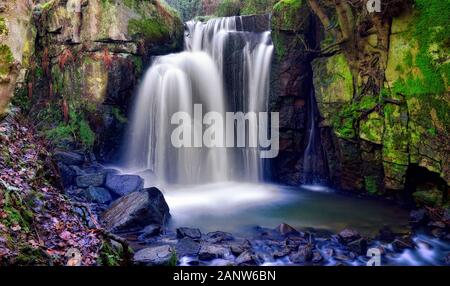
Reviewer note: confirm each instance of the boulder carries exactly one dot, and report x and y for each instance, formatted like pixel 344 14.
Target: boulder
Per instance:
pixel 210 252
pixel 358 246
pixel 98 195
pixel 137 210
pixel 150 231
pixel 348 235
pixel 158 255
pixel 124 184
pixel 238 248
pixel 418 217
pixel 187 247
pixel 90 180
pixel 219 236
pixel 67 174
pixel 69 158
pixel 247 258
pixel 402 243
pixel 285 229
pixel 304 254
pixel 317 257
pixel 285 251
pixel 193 233
pixel 77 170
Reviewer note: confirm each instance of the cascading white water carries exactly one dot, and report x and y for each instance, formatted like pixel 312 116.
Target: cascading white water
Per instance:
pixel 196 76
pixel 310 155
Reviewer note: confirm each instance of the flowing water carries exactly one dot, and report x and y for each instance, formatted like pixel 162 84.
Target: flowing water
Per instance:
pixel 176 83
pixel 239 207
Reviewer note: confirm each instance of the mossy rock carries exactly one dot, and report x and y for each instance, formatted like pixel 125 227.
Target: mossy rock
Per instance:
pixel 3 27
pixel 372 128
pixel 291 15
pixel 228 8
pixel 430 198
pixel 6 61
pixel 256 7
pixel 396 135
pixel 371 185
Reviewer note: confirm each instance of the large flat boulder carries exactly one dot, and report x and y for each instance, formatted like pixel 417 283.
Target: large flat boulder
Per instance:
pixel 137 210
pixel 98 195
pixel 90 180
pixel 69 158
pixel 122 185
pixel 158 255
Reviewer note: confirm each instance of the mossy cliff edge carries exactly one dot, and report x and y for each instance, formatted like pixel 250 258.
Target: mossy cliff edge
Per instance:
pixel 88 56
pixel 384 106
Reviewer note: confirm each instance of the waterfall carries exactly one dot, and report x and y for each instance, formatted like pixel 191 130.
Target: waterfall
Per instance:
pixel 312 159
pixel 198 75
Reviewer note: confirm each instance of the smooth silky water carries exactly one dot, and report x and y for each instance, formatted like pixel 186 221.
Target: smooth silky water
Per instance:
pixel 239 207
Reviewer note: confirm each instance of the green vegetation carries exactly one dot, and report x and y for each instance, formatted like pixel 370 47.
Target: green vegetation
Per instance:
pixel 77 129
pixel 286 14
pixel 345 120
pixel 138 66
pixel 229 8
pixel 430 32
pixel 118 115
pixel 6 59
pixel 47 5
pixel 18 213
pixel 149 28
pixel 3 27
pixel 173 260
pixel 370 183
pixel 110 255
pixel 431 198
pixel 252 7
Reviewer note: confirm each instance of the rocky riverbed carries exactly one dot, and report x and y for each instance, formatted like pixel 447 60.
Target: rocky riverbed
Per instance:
pixel 141 216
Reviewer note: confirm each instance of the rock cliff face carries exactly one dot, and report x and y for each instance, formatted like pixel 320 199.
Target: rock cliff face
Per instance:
pixel 88 58
pixel 16 46
pixel 290 85
pixel 384 110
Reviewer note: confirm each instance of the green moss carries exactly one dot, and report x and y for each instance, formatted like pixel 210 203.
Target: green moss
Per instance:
pixel 47 5
pixel 21 99
pixel 149 28
pixel 38 72
pixel 87 136
pixel 3 28
pixel 138 66
pixel 129 3
pixel 371 129
pixel 229 8
pixel 254 7
pixel 118 115
pixel 60 133
pixel 173 260
pixel 77 129
pixel 29 256
pixel 371 186
pixel 279 44
pixel 6 59
pixel 432 37
pixel 17 211
pixel 431 198
pixel 396 135
pixel 109 255
pixel 286 13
